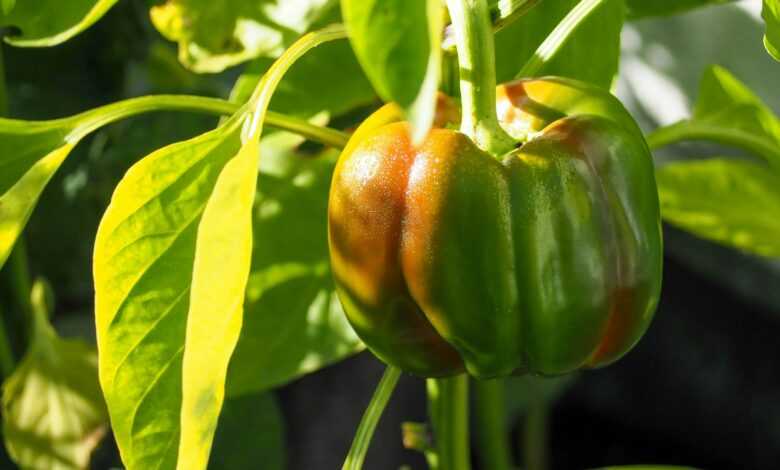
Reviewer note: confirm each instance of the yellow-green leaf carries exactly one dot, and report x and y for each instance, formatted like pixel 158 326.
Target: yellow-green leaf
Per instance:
pixel 31 154
pixel 32 151
pixel 727 112
pixel 729 201
pixel 222 259
pixel 215 35
pixel 290 274
pixel 143 266
pixel 51 22
pixel 53 410
pixel 771 15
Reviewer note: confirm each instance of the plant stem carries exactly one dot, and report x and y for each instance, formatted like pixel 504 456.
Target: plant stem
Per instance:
pixel 448 401
pixel 476 56
pixel 558 37
pixel 357 453
pixel 535 436
pixel 688 130
pixel 491 424
pixel 261 96
pixel 113 112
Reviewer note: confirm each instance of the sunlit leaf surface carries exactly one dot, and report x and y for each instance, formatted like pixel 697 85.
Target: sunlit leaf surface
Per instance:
pixel 293 322
pixel 591 54
pixel 771 15
pixel 143 266
pixel 215 35
pixel 50 22
pixel 30 154
pixel 53 411
pixel 733 202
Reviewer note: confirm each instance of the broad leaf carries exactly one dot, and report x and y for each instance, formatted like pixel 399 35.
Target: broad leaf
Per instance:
pixel 31 154
pixel 727 111
pixel 143 267
pixel 250 434
pixel 222 256
pixel 293 322
pixel 300 92
pixel 32 151
pixel 51 22
pixel 398 44
pixel 644 8
pixel 771 14
pixel 53 410
pixel 733 202
pixel 215 35
pixel 6 6
pixel 516 43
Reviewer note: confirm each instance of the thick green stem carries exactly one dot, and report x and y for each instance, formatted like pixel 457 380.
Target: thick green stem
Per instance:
pixel 476 56
pixel 558 37
pixel 448 401
pixel 490 416
pixel 113 112
pixel 690 130
pixel 534 445
pixel 357 453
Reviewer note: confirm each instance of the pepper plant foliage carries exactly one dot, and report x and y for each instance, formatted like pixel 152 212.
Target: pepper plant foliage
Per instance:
pixel 211 267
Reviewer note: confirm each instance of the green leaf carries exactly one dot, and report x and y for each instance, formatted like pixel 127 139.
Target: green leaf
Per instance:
pixel 6 6
pixel 222 255
pixel 250 431
pixel 53 410
pixel 503 12
pixel 771 14
pixel 215 35
pixel 293 320
pixel 398 43
pixel 726 111
pixel 733 202
pixel 600 32
pixel 34 150
pixel 644 8
pixel 50 22
pixel 143 268
pixel 32 153
pixel 300 91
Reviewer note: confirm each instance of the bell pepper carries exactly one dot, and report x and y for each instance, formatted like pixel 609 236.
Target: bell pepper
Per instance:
pixel 545 260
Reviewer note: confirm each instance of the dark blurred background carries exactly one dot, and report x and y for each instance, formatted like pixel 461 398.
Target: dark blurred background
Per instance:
pixel 701 389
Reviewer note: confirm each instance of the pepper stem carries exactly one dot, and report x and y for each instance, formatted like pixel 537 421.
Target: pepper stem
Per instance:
pixel 534 436
pixel 448 402
pixel 490 415
pixel 476 55
pixel 357 453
